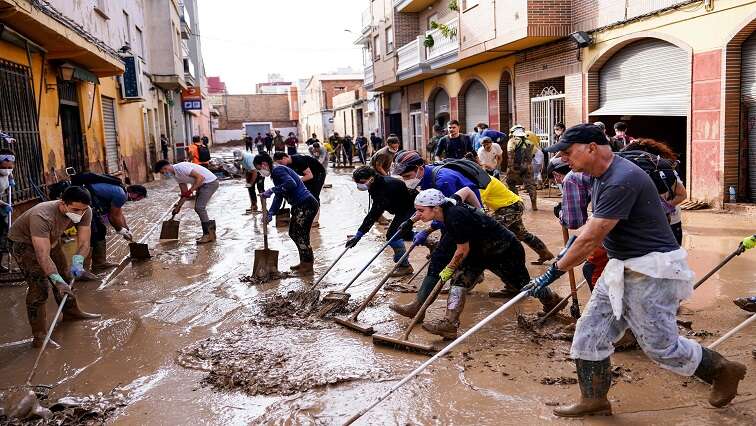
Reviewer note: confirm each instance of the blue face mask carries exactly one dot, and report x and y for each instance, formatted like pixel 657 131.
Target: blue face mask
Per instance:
pixel 169 174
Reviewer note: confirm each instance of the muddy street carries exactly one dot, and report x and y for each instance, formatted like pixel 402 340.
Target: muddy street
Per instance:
pixel 188 339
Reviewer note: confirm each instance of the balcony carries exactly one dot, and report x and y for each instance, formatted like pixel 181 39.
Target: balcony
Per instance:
pixel 412 6
pixel 367 20
pixel 186 23
pixel 189 72
pixel 445 49
pixel 411 59
pixel 369 78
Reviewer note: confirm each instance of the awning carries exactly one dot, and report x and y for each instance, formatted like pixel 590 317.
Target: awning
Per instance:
pixel 84 75
pixel 674 105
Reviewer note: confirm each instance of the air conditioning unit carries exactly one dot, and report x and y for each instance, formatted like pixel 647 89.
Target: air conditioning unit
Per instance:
pixel 131 81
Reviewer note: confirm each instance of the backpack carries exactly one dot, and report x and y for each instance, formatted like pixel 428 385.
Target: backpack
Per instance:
pixel 203 153
pixel 661 171
pixel 468 168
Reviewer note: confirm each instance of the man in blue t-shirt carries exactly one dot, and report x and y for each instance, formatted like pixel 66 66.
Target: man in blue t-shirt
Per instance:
pixel 642 285
pixel 419 176
pixel 107 205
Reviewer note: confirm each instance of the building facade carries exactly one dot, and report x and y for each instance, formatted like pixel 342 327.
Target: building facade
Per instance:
pixel 654 64
pixel 315 96
pixel 250 114
pixel 88 86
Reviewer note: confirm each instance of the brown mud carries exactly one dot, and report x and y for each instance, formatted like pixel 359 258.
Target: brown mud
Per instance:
pixel 253 280
pixel 254 356
pixel 86 410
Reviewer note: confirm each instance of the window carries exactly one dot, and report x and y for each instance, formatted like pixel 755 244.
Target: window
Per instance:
pixel 376 47
pixel 389 40
pixel 101 7
pixel 127 26
pixel 140 43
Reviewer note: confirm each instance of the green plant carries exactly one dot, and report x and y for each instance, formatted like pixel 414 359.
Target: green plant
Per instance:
pixel 429 42
pixel 445 30
pixel 453 5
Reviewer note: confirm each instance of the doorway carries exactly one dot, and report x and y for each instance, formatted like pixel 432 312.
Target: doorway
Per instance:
pixel 74 149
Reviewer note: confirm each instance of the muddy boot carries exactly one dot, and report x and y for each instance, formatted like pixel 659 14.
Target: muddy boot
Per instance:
pixel 505 293
pixel 72 312
pixel 550 301
pixel 303 268
pixel 723 375
pixel 746 303
pixel 447 327
pixel 38 326
pixel 100 258
pixel 594 378
pixel 534 202
pixel 402 271
pixel 208 232
pixel 408 310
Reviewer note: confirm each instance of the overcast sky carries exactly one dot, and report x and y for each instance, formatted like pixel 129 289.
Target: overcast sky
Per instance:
pixel 245 40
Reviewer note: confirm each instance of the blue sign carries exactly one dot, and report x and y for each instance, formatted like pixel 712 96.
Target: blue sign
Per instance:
pixel 192 105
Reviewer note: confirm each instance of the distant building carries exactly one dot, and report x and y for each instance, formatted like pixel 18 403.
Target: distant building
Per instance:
pixel 272 87
pixel 316 101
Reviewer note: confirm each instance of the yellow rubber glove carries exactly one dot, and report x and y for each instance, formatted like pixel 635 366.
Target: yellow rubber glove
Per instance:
pixel 749 242
pixel 446 274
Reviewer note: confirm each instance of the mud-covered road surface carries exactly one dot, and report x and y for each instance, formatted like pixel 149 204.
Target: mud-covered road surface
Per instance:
pixel 187 339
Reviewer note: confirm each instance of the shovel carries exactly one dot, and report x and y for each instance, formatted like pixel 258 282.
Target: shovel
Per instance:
pixel 170 229
pixel 313 294
pixel 283 217
pixel 336 299
pixel 138 251
pixel 266 261
pixel 575 307
pixel 351 322
pixel 29 402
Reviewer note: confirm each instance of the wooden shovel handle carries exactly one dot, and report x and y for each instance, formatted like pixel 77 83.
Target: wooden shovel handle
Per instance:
pixel 571 272
pixel 266 220
pixel 178 206
pixel 431 298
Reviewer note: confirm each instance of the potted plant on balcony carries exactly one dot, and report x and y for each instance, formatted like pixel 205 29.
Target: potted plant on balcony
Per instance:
pixel 445 30
pixel 428 41
pixel 453 6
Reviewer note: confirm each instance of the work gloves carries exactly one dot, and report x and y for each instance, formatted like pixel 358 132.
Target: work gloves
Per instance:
pixel 536 285
pixel 126 234
pixel 558 211
pixel 406 226
pixel 421 237
pixel 749 242
pixel 7 209
pixel 354 240
pixel 446 274
pixel 77 265
pixel 268 193
pixel 187 193
pixel 60 284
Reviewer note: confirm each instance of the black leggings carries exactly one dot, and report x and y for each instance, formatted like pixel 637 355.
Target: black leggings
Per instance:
pixel 302 216
pixel 315 185
pixel 259 183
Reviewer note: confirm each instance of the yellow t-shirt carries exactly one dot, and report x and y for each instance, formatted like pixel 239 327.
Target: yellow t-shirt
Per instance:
pixel 328 147
pixel 497 195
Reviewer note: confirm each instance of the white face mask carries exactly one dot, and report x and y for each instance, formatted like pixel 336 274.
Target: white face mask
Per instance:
pixel 412 183
pixel 75 217
pixel 265 173
pixel 5 172
pixel 362 187
pixel 393 151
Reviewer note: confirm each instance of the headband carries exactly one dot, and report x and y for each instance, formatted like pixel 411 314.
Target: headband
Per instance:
pixel 11 158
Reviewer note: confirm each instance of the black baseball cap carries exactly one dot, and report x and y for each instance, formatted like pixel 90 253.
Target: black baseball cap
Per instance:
pixel 581 133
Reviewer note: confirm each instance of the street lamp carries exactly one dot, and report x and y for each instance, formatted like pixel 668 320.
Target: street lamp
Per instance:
pixel 66 71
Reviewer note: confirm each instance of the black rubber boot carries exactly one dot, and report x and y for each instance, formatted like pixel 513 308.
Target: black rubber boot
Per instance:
pixel 594 378
pixel 723 376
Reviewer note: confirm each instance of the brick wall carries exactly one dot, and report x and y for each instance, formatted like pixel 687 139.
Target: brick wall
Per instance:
pixel 332 88
pixel 238 109
pixel 406 28
pixel 549 17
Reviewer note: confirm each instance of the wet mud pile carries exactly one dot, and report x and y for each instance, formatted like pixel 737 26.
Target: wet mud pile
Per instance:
pixel 556 327
pixel 72 410
pixel 297 310
pixel 272 361
pixel 253 280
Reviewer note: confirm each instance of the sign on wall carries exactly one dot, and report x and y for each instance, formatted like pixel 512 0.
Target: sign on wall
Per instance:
pixel 191 98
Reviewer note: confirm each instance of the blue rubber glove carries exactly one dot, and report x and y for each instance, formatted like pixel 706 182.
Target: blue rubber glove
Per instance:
pixel 60 284
pixel 436 225
pixel 7 209
pixel 77 265
pixel 354 240
pixel 446 274
pixel 12 183
pixel 268 193
pixel 420 237
pixel 536 285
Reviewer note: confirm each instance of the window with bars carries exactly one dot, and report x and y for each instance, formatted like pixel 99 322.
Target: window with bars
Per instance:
pixel 18 118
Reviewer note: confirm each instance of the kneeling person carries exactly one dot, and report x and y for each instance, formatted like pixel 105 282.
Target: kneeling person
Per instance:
pixel 481 243
pixel 35 244
pixel 391 195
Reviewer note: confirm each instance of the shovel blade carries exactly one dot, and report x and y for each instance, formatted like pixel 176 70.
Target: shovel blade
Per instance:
pixel 283 217
pixel 139 251
pixel 266 263
pixel 169 230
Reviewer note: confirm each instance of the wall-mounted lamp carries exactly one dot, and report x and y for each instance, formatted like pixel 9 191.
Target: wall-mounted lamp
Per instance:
pixel 66 71
pixel 582 38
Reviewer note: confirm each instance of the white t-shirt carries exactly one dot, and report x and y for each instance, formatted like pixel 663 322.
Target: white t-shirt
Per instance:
pixel 538 157
pixel 185 168
pixel 488 158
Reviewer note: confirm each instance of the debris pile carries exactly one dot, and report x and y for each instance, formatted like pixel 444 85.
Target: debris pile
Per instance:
pixel 273 276
pixel 73 410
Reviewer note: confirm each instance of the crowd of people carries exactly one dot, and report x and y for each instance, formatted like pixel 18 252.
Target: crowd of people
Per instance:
pixel 629 248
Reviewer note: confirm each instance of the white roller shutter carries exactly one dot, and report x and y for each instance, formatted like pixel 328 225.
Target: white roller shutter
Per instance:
pixel 748 93
pixel 476 106
pixel 111 135
pixel 649 77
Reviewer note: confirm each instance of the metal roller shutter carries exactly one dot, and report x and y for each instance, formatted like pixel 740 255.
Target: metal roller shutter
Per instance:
pixel 441 103
pixel 748 93
pixel 395 103
pixel 111 134
pixel 476 106
pixel 649 77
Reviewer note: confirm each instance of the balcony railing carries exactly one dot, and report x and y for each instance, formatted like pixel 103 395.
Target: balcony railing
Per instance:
pixel 369 77
pixel 411 55
pixel 367 20
pixel 443 45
